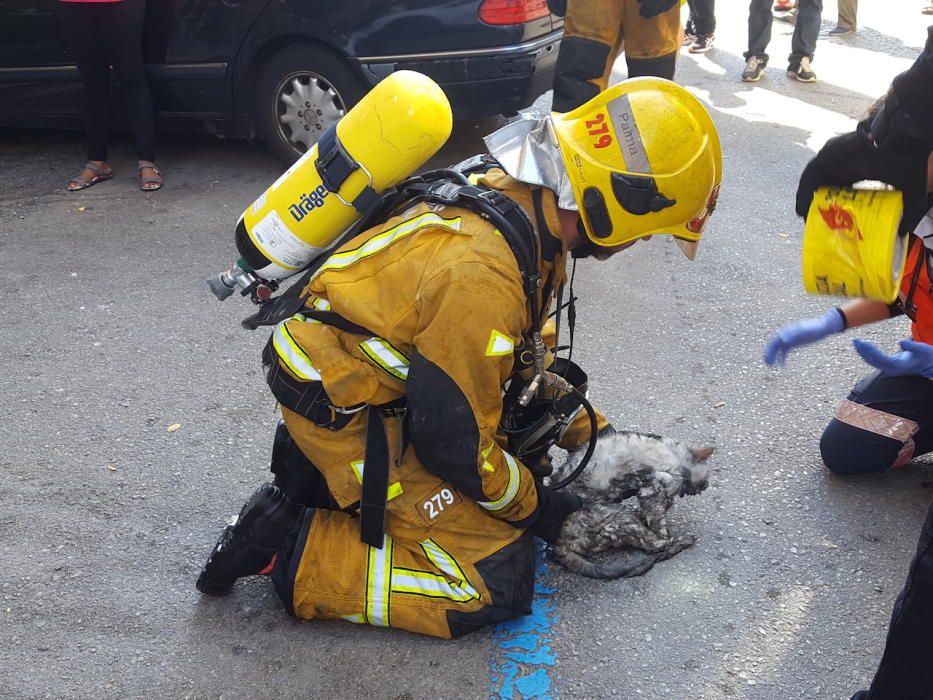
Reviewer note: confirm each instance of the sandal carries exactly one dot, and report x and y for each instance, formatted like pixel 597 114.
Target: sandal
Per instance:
pixel 83 182
pixel 148 183
pixel 927 9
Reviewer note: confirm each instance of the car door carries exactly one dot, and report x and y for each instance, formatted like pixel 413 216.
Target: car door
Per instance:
pixel 190 47
pixel 39 84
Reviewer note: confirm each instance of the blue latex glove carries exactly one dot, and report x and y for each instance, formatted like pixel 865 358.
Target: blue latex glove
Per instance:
pixel 914 358
pixel 799 333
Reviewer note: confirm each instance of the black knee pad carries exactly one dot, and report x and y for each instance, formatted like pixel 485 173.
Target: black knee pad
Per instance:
pixel 659 67
pixel 288 558
pixel 295 474
pixel 579 60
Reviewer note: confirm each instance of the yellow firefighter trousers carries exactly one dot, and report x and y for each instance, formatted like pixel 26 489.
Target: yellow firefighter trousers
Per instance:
pixel 447 567
pixel 595 33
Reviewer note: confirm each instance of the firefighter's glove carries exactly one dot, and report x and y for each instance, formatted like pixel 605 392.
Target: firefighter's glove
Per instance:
pixel 557 7
pixel 914 358
pixel 653 8
pixel 553 509
pixel 850 158
pixel 799 333
pixel 894 130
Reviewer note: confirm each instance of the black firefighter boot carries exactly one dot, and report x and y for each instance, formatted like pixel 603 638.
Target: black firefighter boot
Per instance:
pixel 247 546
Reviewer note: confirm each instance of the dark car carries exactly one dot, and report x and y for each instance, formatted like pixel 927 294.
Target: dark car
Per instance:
pixel 283 70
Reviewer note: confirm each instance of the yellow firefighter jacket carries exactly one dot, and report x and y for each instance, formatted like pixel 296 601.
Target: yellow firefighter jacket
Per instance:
pixel 437 308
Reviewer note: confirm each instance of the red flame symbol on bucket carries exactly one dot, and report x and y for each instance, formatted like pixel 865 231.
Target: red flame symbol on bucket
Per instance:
pixel 839 219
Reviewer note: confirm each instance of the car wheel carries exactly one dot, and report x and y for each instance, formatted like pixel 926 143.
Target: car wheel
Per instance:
pixel 302 92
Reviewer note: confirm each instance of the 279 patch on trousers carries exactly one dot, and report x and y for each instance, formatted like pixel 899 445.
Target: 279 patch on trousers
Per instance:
pixel 432 507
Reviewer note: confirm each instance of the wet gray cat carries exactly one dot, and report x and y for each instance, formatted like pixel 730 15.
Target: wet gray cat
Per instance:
pixel 653 469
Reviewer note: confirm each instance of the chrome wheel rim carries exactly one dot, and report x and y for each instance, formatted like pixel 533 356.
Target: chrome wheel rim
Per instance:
pixel 306 105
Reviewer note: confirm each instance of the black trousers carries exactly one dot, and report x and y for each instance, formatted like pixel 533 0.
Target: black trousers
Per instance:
pixel 101 34
pixel 906 671
pixel 702 17
pixel 884 423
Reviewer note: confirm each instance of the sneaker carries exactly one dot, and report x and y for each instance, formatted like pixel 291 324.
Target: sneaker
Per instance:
pixel 839 30
pixel 701 43
pixel 688 39
pixel 788 17
pixel 754 67
pixel 801 71
pixel 249 543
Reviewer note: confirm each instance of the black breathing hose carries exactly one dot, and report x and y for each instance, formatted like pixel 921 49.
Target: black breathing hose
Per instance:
pixel 590 448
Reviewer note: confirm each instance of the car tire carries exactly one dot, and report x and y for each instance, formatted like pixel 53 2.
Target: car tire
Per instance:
pixel 302 91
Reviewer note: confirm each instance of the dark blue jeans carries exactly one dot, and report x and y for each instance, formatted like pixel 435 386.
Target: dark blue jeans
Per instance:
pixel 885 422
pixel 806 29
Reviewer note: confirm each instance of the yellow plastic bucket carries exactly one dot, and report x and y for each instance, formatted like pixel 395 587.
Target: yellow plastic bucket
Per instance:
pixel 851 244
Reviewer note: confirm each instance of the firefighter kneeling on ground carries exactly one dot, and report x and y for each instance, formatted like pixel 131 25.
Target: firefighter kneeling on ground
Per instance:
pixel 411 333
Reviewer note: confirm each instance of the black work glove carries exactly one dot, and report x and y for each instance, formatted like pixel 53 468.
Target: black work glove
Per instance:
pixel 892 129
pixel 652 8
pixel 553 509
pixel 557 7
pixel 847 159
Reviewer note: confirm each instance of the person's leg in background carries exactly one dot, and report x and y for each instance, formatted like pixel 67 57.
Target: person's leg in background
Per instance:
pixel 690 31
pixel 759 36
pixel 592 38
pixel 124 38
pixel 803 42
pixel 883 424
pixel 81 22
pixel 652 44
pixel 703 17
pixel 846 21
pixel 905 671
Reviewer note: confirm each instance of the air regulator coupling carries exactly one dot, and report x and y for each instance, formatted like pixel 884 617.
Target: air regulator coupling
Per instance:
pixel 541 376
pixel 228 281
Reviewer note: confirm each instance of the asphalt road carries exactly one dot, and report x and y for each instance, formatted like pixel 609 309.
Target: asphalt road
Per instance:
pixel 110 339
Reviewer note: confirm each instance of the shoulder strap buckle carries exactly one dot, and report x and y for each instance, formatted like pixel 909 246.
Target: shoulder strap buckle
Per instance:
pixel 445 192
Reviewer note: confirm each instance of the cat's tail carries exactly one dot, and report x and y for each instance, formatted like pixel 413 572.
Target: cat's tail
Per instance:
pixel 634 563
pixel 574 563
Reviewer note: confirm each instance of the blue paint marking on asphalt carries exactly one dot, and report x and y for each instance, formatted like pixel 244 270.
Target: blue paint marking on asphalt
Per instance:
pixel 523 662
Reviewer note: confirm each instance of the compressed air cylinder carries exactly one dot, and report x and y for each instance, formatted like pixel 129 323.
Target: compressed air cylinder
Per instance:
pixel 386 137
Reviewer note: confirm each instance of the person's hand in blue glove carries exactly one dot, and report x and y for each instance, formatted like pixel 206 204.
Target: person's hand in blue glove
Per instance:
pixel 914 358
pixel 799 333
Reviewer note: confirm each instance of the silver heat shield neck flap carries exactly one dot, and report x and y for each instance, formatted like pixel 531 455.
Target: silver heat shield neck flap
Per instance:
pixel 527 150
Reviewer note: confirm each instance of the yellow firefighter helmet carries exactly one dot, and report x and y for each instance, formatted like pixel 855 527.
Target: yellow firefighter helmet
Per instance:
pixel 642 158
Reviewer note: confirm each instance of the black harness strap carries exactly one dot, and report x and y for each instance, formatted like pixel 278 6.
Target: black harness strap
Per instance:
pixel 908 304
pixel 334 165
pixel 375 482
pixel 504 213
pixel 332 318
pixel 308 399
